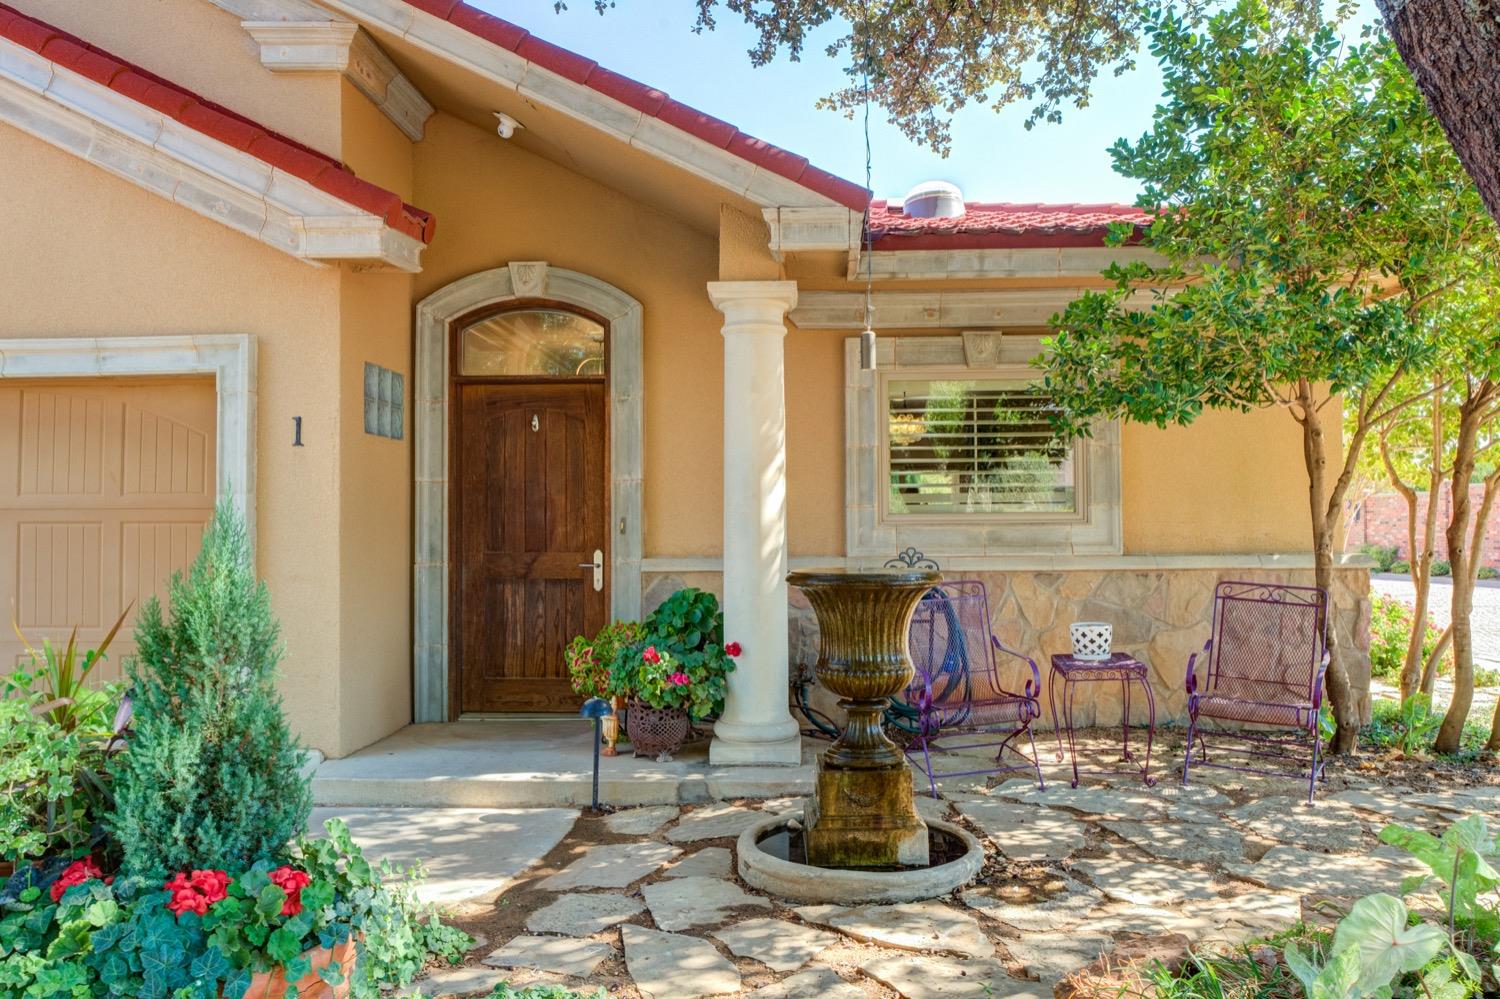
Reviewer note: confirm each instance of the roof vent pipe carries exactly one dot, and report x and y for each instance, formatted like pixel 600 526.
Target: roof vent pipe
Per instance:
pixel 934 199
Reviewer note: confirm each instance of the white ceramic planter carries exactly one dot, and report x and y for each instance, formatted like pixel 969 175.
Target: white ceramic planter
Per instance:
pixel 1091 639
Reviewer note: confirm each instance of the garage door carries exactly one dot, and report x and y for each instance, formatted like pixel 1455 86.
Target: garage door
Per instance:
pixel 105 487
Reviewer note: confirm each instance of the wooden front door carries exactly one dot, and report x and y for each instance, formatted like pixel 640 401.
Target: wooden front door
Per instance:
pixel 530 515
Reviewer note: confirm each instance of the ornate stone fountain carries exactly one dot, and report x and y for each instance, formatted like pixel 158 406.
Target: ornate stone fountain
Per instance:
pixel 860 839
pixel 862 813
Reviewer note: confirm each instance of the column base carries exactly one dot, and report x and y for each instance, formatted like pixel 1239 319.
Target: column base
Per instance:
pixel 728 751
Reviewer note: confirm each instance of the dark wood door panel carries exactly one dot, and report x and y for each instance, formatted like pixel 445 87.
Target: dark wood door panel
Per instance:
pixel 531 508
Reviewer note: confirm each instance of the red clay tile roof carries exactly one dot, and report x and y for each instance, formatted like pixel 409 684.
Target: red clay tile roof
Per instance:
pixel 213 120
pixel 996 225
pixel 647 100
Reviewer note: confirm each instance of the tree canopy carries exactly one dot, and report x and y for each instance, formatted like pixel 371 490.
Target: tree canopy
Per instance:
pixel 1310 212
pixel 928 59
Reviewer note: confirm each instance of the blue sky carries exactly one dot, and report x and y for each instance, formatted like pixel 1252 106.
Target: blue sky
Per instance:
pixel 994 158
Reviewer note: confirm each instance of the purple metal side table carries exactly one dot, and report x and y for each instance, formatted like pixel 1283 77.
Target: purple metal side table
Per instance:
pixel 1121 667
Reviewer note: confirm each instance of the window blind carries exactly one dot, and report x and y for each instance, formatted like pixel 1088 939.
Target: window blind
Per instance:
pixel 975 447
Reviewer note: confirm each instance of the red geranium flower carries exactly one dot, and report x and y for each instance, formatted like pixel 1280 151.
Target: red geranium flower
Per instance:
pixel 75 873
pixel 197 891
pixel 291 881
pixel 679 679
pixel 733 649
pixel 651 655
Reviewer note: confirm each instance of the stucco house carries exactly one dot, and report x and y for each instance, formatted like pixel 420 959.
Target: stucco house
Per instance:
pixel 490 343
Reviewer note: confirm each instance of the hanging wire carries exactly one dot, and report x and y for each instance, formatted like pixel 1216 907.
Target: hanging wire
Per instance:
pixel 867 338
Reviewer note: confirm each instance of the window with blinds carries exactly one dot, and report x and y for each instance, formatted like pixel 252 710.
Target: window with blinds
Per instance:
pixel 975 447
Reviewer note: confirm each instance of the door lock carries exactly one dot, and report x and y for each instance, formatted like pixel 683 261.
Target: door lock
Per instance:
pixel 598 566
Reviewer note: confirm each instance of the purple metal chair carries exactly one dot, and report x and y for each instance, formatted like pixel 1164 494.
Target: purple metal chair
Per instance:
pixel 958 687
pixel 1262 665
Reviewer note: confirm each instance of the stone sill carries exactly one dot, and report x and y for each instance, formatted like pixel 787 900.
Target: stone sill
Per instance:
pixel 1035 563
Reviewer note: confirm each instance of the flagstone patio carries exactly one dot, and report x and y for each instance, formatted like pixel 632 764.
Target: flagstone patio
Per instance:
pixel 644 901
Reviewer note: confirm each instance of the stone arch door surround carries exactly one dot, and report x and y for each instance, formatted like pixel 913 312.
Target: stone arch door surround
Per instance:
pixel 518 280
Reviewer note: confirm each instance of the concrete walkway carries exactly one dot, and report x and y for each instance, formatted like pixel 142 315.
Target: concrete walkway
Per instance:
pixel 468 853
pixel 529 763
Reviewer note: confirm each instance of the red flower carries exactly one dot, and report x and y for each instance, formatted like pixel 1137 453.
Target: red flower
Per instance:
pixel 679 679
pixel 651 655
pixel 733 649
pixel 291 881
pixel 75 873
pixel 197 891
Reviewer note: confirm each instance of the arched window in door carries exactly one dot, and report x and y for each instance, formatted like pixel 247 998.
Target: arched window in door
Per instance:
pixel 534 342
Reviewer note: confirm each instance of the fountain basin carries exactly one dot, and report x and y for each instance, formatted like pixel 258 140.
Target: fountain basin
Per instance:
pixel 806 883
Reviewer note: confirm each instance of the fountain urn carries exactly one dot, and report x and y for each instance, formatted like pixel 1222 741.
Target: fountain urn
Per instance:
pixel 862 813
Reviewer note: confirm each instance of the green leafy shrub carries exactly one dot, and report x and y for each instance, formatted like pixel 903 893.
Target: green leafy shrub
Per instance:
pixel 1487 572
pixel 1390 630
pixel 588 659
pixel 1486 676
pixel 688 621
pixel 681 659
pixel 213 776
pixel 131 938
pixel 56 734
pixel 41 811
pixel 1440 567
pixel 1384 556
pixel 1400 565
pixel 1408 728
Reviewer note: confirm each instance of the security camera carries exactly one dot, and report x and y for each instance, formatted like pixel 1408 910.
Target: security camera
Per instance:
pixel 505 125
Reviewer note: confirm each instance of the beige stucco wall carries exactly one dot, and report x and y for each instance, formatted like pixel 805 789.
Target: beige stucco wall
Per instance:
pixel 92 255
pixel 203 48
pixel 496 203
pixel 375 536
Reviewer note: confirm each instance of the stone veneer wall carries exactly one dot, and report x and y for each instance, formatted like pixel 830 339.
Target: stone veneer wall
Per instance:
pixel 1160 616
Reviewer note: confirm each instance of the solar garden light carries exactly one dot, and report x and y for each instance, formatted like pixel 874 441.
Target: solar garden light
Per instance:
pixel 598 709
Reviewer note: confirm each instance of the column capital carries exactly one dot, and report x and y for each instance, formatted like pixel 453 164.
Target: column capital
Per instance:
pixel 753 300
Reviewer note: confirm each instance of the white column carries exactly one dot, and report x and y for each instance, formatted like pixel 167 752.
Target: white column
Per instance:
pixel 756 727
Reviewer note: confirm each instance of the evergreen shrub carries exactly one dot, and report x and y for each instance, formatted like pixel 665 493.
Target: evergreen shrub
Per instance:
pixel 212 778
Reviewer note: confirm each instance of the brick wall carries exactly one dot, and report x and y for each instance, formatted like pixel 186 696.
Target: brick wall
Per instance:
pixel 1381 520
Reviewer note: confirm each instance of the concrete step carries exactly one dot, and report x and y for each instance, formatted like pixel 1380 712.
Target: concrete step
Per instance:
pixel 531 763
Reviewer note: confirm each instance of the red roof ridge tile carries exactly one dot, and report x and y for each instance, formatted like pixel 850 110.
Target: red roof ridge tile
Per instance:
pixel 1000 225
pixel 647 100
pixel 213 120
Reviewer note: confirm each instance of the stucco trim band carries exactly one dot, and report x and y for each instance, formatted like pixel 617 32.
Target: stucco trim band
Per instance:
pixel 229 357
pixel 160 154
pixel 1029 563
pixel 520 279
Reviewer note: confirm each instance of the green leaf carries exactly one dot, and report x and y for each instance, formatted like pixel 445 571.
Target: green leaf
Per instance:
pixel 1376 928
pixel 269 903
pixel 283 945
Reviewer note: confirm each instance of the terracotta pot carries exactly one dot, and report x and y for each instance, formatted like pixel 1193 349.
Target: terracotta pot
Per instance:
pixel 273 984
pixel 6 869
pixel 656 732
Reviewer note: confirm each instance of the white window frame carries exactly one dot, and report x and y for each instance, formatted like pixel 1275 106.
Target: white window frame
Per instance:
pixel 872 532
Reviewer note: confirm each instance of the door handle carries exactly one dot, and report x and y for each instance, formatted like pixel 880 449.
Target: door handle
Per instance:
pixel 598 566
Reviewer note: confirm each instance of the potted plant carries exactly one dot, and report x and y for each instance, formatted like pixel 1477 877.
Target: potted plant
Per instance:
pixel 289 926
pixel 676 674
pixel 588 661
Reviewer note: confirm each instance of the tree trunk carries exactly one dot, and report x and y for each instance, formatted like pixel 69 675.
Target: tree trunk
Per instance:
pixel 1453 50
pixel 1435 660
pixel 1470 413
pixel 1325 512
